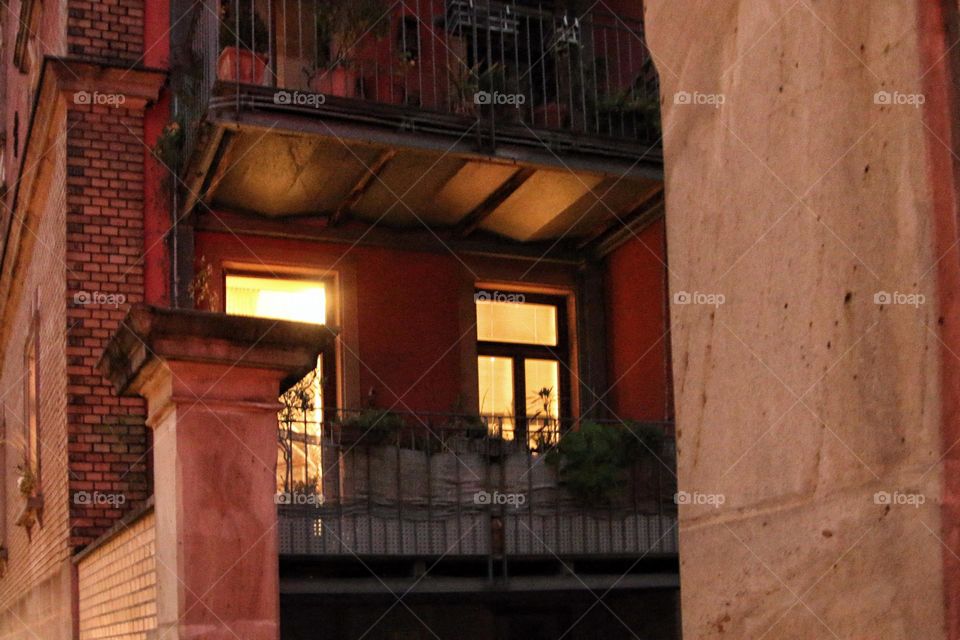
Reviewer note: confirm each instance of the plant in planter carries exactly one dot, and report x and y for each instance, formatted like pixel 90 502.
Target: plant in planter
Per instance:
pixel 593 462
pixel 370 427
pixel 27 479
pixel 340 26
pixel 245 41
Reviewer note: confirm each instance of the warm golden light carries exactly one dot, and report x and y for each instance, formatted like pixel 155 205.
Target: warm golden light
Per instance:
pixel 543 388
pixel 517 322
pixel 279 299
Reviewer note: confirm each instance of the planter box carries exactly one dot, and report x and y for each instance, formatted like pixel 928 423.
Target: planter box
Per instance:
pixel 339 81
pixel 241 65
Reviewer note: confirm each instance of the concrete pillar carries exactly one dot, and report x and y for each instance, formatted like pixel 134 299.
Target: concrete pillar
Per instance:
pixel 811 212
pixel 211 382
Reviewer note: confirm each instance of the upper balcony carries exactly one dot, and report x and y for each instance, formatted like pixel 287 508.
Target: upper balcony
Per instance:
pixel 523 72
pixel 331 92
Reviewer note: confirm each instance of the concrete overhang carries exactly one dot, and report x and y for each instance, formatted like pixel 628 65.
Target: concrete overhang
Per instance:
pixel 151 334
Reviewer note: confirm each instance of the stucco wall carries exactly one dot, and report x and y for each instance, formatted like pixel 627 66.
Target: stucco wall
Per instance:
pixel 798 195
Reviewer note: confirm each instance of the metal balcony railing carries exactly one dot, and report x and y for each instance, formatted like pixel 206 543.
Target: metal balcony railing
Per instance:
pixel 525 66
pixel 375 483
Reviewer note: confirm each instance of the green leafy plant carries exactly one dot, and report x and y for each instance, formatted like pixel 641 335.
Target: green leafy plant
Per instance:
pixel 628 107
pixel 169 146
pixel 593 462
pixel 242 27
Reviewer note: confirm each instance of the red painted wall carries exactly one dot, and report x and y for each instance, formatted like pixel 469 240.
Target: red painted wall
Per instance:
pixel 638 365
pixel 408 323
pixel 410 328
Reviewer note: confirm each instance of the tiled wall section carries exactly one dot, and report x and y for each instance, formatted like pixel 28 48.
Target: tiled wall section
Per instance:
pixel 37 560
pixel 118 586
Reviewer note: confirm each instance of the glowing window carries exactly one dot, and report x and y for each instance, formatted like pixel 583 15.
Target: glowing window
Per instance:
pixel 276 298
pixel 542 378
pixel 517 322
pixel 521 348
pixel 496 385
pixel 299 458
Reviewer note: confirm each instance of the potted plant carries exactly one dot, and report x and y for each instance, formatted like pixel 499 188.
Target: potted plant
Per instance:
pixel 593 461
pixel 245 39
pixel 340 26
pixel 27 480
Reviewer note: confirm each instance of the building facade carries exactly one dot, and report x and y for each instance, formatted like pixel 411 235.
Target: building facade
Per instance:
pixel 331 321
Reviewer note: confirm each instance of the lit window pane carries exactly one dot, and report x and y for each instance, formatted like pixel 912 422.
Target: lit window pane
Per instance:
pixel 543 388
pixel 297 300
pixel 496 393
pixel 517 322
pixel 496 385
pixel 542 378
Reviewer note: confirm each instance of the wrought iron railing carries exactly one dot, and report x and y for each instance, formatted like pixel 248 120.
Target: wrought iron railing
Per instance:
pixel 387 484
pixel 507 65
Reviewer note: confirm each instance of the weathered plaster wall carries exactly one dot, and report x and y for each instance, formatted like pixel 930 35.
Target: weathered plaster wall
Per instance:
pixel 798 200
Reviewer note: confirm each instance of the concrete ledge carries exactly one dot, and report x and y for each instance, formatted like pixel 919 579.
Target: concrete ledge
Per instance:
pixel 149 333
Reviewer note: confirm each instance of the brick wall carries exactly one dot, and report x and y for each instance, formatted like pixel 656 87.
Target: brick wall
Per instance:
pixel 108 29
pixel 118 585
pixel 104 229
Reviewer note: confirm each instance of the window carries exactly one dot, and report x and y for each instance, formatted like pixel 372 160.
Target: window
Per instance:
pixel 299 464
pixel 280 299
pixel 521 365
pixel 29 20
pixel 31 404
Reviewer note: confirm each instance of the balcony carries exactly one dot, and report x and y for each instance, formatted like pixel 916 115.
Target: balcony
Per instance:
pixel 503 72
pixel 385 485
pixel 455 114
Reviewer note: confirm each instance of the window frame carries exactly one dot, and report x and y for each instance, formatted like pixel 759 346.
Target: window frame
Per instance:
pixel 328 359
pixel 28 22
pixel 519 353
pixel 31 399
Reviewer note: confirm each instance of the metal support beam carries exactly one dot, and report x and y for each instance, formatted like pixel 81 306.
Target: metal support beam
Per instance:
pixel 373 172
pixel 473 219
